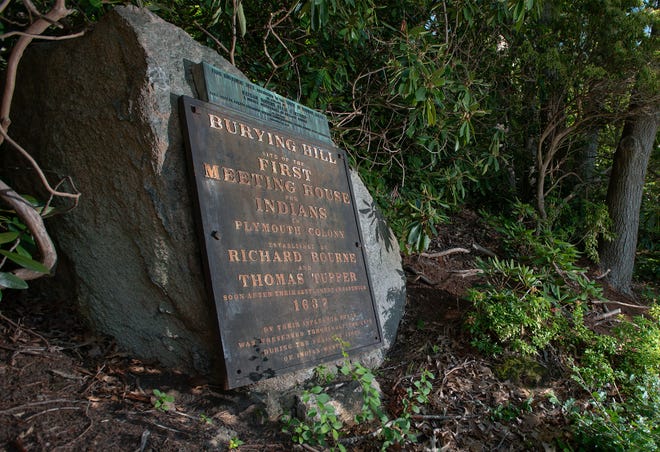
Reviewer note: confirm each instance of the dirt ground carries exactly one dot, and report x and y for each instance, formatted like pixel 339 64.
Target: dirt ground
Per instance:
pixel 63 388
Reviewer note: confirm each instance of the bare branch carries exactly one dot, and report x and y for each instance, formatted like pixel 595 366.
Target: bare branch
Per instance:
pixel 483 250
pixel 215 40
pixel 607 315
pixel 45 38
pixel 232 52
pixel 35 165
pixel 35 224
pixel 445 253
pixel 270 28
pixel 34 11
pixel 563 176
pixel 4 5
pixel 620 303
pixel 58 12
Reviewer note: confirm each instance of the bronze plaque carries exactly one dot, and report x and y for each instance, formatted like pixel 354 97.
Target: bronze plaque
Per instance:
pixel 282 246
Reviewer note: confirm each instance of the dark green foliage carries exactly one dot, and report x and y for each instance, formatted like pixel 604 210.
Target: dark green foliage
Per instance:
pixel 610 423
pixel 539 304
pixel 17 249
pixel 322 426
pixel 439 104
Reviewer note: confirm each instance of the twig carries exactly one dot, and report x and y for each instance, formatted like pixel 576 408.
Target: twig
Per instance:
pixel 34 11
pixel 603 275
pixel 506 433
pixel 445 253
pixel 19 327
pixel 68 376
pixel 483 250
pixel 50 410
pixel 35 165
pixel 424 279
pixel 94 379
pixel 619 303
pixel 144 439
pixel 4 5
pixel 57 12
pixel 292 59
pixel 458 367
pixel 232 53
pixel 607 315
pixel 89 427
pixel 45 38
pixel 441 417
pixel 43 402
pixel 44 210
pixel 467 273
pixel 216 40
pixel 419 276
pixel 164 427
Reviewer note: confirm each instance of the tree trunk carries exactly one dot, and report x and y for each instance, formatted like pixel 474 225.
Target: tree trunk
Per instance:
pixel 587 164
pixel 624 195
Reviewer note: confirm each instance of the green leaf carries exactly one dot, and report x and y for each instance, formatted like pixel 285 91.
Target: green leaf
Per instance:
pixel 420 94
pixel 23 252
pixel 431 115
pixel 11 281
pixel 7 237
pixel 241 18
pixel 25 262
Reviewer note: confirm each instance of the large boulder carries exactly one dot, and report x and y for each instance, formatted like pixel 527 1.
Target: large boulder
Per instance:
pixel 103 110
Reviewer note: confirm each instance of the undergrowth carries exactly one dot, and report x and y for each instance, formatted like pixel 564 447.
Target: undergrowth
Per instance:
pixel 321 426
pixel 541 301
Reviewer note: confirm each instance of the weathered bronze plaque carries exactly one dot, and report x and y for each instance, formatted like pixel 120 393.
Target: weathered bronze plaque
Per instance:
pixel 284 255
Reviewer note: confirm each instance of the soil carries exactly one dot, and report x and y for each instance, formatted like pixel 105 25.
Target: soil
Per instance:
pixel 64 388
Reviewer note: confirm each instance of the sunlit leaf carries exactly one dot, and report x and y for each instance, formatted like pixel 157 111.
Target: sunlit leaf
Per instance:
pixel 241 18
pixel 11 281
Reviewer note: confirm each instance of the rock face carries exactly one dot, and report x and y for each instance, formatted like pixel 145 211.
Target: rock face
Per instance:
pixel 103 110
pixel 383 260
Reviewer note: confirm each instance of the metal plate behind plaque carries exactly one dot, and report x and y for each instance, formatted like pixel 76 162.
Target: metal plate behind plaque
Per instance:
pixel 282 246
pixel 227 90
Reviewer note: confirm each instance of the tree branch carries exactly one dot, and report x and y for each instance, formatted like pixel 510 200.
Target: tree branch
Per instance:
pixel 219 44
pixel 4 5
pixel 445 253
pixel 35 224
pixel 45 38
pixel 58 12
pixel 24 210
pixel 35 165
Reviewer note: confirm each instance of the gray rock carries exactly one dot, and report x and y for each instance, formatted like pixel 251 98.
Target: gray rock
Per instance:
pixel 103 109
pixel 388 280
